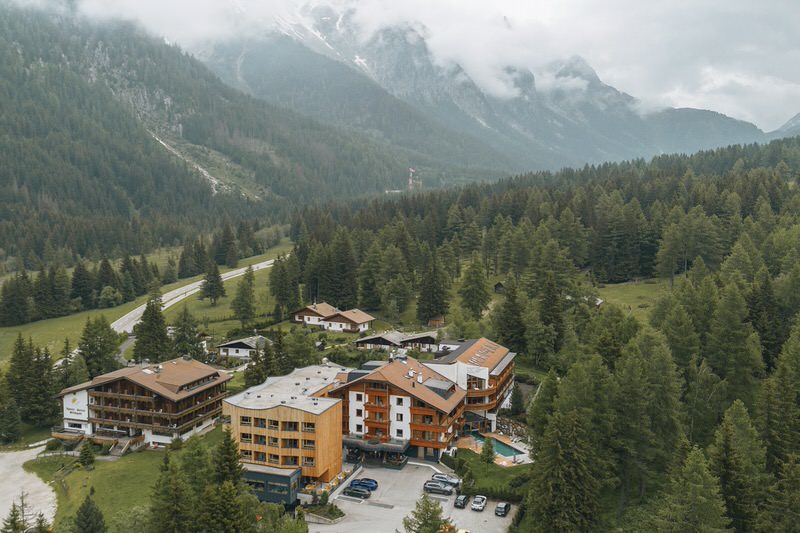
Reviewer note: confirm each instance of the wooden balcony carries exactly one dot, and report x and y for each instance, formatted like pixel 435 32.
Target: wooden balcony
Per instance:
pixel 423 411
pixel 115 395
pixel 476 393
pixel 427 427
pixel 63 433
pixel 377 422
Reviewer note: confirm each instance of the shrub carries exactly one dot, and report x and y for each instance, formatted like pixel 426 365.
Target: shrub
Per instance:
pixel 448 461
pixel 52 445
pixel 176 444
pixel 323 500
pixel 105 449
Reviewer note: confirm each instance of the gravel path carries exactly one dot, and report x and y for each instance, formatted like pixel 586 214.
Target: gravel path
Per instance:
pixel 14 480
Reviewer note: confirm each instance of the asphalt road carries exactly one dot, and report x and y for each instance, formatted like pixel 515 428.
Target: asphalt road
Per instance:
pixel 125 324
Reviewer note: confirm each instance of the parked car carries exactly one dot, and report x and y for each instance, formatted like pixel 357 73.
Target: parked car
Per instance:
pixel 502 508
pixel 435 486
pixel 365 483
pixel 479 503
pixel 357 492
pixel 461 501
pixel 445 478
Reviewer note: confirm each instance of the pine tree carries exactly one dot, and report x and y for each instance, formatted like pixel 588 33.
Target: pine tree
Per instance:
pixel 474 292
pixel 738 459
pixel 185 337
pixel 781 508
pixel 89 518
pixel 765 316
pixel 171 501
pixel 427 517
pixel 225 461
pixel 86 456
pixel 255 373
pixel 539 410
pixel 244 303
pixel 98 345
pixel 213 288
pixel 40 525
pixel 487 452
pixel 14 522
pixel 704 401
pixel 433 290
pixel 152 341
pixel 683 340
pixel 344 292
pixel 509 329
pixel 517 401
pixel 565 490
pixel 734 350
pixel 551 305
pixel 195 464
pixel 222 510
pixel 693 501
pixel 10 422
pixel 369 278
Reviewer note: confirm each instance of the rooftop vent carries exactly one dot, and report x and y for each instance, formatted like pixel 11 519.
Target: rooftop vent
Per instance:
pixel 283 401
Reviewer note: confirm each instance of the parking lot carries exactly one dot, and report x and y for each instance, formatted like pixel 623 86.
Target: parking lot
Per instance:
pixel 395 498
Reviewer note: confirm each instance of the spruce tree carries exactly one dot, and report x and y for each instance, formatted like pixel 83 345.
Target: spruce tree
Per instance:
pixel 474 291
pixel 89 518
pixel 693 501
pixel 98 345
pixel 225 461
pixel 213 288
pixel 195 464
pixel 517 400
pixel 704 401
pixel 487 451
pixel 344 267
pixel 781 510
pixel 564 488
pixel 185 338
pixel 152 341
pixel 509 329
pixel 370 283
pixel 539 410
pixel 222 510
pixel 244 303
pixel 683 340
pixel 433 289
pixel 427 517
pixel 734 350
pixel 255 373
pixel 86 456
pixel 14 521
pixel 10 421
pixel 171 501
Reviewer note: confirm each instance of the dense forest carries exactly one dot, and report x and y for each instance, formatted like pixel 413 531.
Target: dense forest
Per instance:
pixel 636 422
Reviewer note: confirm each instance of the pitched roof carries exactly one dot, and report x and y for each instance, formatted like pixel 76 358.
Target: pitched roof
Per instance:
pixel 321 309
pixel 356 316
pixel 170 379
pixel 251 342
pixel 431 390
pixel 393 337
pixel 476 352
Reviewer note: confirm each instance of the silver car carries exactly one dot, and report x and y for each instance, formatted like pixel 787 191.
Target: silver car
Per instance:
pixel 445 478
pixel 479 503
pixel 435 486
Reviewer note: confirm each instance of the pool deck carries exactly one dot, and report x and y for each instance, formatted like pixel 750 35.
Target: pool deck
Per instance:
pixel 470 443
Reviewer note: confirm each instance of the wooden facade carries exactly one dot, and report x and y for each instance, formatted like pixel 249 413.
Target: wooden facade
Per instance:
pixel 287 437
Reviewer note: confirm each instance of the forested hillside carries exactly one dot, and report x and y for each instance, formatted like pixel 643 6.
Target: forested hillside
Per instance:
pixel 82 173
pixel 704 397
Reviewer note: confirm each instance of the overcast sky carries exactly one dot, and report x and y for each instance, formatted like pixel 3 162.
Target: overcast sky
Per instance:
pixel 738 57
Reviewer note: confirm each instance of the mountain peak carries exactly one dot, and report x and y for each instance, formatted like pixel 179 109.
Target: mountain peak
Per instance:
pixel 791 125
pixel 577 67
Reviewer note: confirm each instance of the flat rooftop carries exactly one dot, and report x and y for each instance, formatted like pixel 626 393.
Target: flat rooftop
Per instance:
pixel 296 389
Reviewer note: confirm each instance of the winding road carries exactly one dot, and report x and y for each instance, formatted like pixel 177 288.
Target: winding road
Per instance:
pixel 125 323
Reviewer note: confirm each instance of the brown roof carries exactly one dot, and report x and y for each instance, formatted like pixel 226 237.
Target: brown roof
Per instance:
pixel 321 309
pixel 166 379
pixel 396 373
pixel 355 316
pixel 477 352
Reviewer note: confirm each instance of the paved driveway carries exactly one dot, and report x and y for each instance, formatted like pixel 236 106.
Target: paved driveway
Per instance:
pixel 14 480
pixel 397 494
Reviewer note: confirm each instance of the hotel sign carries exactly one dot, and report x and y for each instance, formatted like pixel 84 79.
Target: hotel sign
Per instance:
pixel 76 405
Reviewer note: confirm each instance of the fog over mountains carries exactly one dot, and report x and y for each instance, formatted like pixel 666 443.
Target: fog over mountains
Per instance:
pixel 318 61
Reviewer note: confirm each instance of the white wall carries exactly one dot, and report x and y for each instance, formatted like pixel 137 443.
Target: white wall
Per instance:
pixel 404 410
pixel 76 410
pixel 353 405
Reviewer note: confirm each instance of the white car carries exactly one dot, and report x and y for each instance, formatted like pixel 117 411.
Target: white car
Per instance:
pixel 479 503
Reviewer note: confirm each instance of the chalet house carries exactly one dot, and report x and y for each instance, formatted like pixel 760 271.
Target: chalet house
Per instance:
pixel 389 340
pixel 242 349
pixel 153 404
pixel 400 407
pixel 288 432
pixel 485 370
pixel 352 321
pixel 314 314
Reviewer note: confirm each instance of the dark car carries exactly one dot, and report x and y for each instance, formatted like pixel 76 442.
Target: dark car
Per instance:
pixel 444 478
pixel 461 501
pixel 357 492
pixel 502 508
pixel 435 486
pixel 365 483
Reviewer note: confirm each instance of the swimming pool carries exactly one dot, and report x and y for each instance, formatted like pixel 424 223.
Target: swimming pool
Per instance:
pixel 499 447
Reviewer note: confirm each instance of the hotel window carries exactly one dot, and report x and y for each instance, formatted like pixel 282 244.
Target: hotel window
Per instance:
pixel 256 485
pixel 247 454
pixel 359 397
pixel 261 423
pixel 247 437
pixel 261 439
pixel 277 488
pixel 290 460
pixel 399 401
pixel 273 441
pixel 399 433
pixel 399 417
pixel 309 427
pixel 360 413
pixel 273 424
pixel 308 461
pixel 289 426
pixel 245 420
pixel 359 428
pixel 260 457
pixel 309 444
pixel 289 443
pixel 274 458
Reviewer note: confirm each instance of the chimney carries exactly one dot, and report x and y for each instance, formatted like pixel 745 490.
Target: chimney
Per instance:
pixel 419 378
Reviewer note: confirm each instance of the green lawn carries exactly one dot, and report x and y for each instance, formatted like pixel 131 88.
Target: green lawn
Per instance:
pixel 51 333
pixel 635 297
pixel 118 485
pixel 494 480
